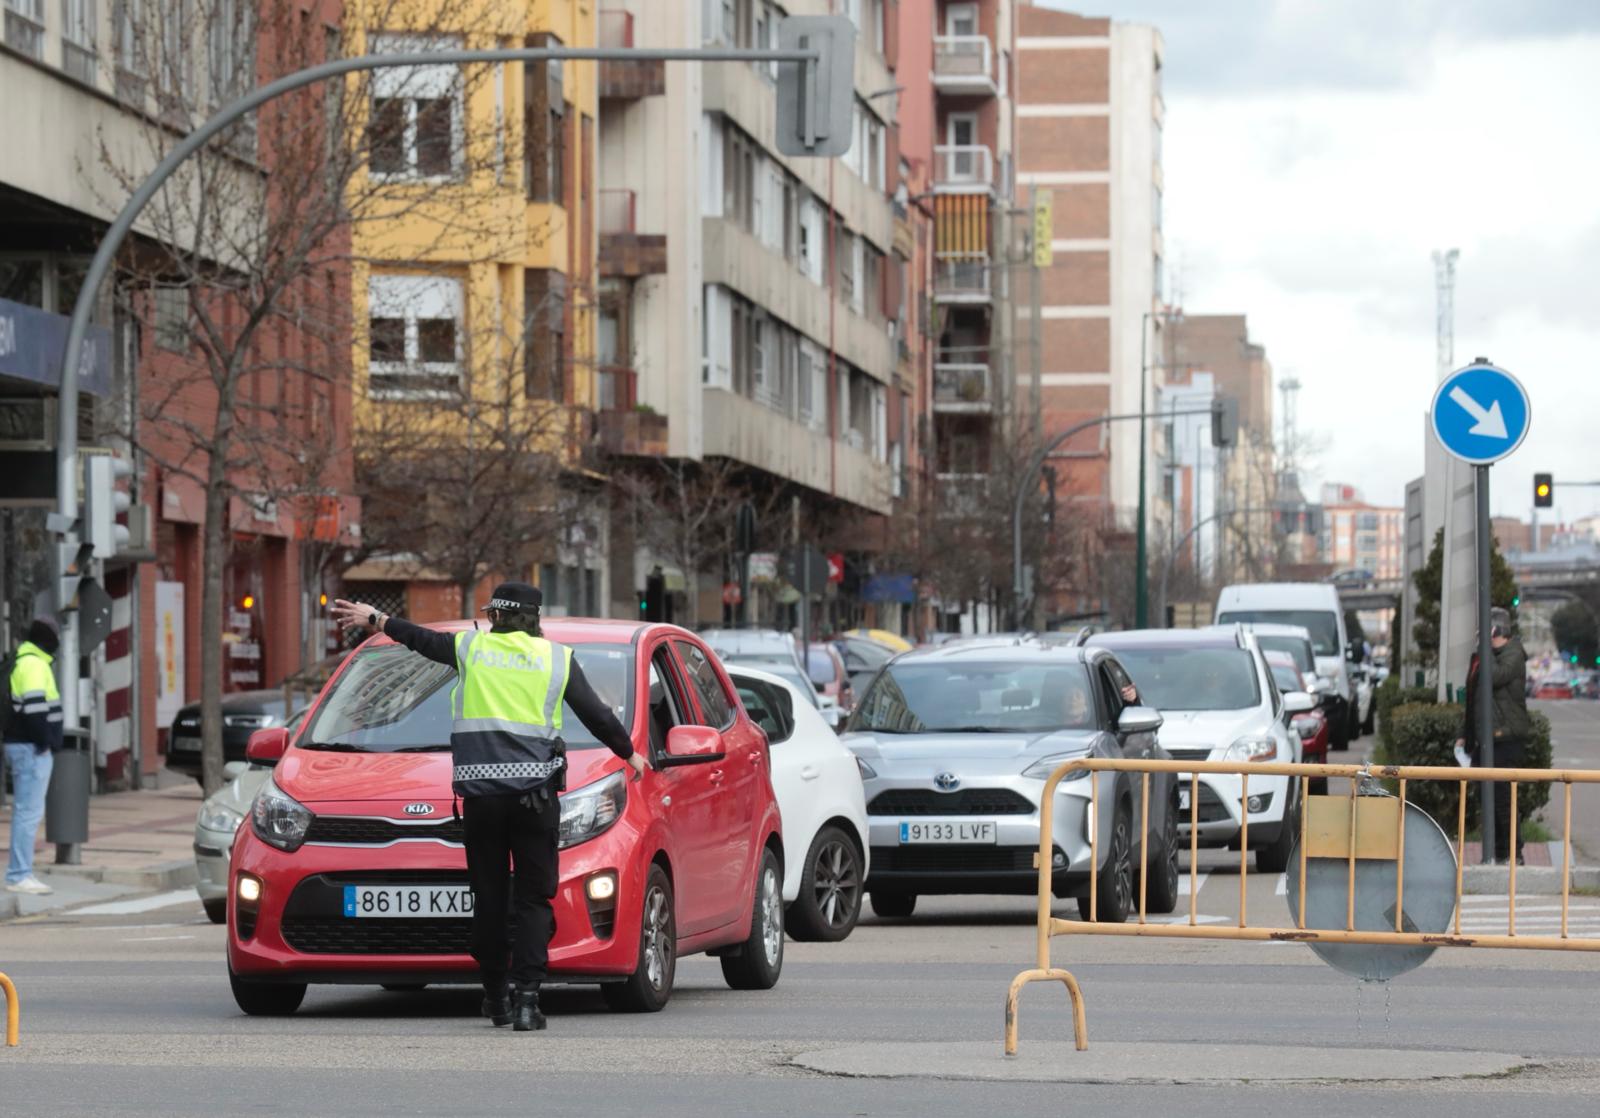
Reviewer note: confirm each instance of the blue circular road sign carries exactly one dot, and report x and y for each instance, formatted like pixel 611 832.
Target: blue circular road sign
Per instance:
pixel 1481 413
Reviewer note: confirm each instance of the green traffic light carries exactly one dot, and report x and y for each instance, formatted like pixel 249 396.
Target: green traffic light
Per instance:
pixel 1574 657
pixel 1515 602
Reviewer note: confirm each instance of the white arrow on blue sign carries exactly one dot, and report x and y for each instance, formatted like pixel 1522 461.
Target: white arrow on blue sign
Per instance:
pixel 1481 413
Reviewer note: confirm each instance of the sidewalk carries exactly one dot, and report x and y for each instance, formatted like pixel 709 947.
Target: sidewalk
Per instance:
pixel 138 841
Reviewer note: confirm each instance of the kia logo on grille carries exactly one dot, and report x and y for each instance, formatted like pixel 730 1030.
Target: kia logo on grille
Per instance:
pixel 947 782
pixel 419 809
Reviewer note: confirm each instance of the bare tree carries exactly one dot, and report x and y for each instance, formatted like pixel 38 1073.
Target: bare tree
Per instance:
pixel 244 261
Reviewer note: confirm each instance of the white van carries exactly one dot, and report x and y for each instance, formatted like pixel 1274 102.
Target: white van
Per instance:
pixel 1315 607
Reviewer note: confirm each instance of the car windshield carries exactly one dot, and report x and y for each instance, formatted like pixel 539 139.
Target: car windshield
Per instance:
pixel 783 667
pixel 820 665
pixel 977 697
pixel 1322 624
pixel 391 700
pixel 1297 647
pixel 1286 677
pixel 1193 678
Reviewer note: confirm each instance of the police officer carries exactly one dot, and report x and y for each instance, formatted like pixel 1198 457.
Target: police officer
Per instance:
pixel 509 769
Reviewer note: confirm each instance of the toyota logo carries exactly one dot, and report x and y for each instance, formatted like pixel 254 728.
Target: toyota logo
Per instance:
pixel 419 809
pixel 947 782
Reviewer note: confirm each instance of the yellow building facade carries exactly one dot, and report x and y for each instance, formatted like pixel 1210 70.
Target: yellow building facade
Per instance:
pixel 473 231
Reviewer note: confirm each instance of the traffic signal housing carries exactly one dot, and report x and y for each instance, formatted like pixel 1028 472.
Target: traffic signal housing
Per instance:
pixel 1224 421
pixel 1543 491
pixel 103 501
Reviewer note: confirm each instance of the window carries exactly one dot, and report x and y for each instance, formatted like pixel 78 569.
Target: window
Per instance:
pixel 667 705
pixel 714 702
pixel 171 314
pixel 415 131
pixel 174 65
pixel 858 280
pixel 989 697
pixel 414 335
pixel 128 32
pixel 961 19
pixel 544 307
pixel 1193 678
pixel 25 26
pixel 812 250
pixel 78 28
pixel 231 49
pixel 769 707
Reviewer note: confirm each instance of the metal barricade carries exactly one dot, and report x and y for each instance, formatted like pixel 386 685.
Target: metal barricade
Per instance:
pixel 13 1011
pixel 1049 925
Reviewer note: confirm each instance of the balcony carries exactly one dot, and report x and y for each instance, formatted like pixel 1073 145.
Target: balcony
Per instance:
pixel 961 388
pixel 623 428
pixel 626 81
pixel 624 251
pixel 963 169
pixel 961 278
pixel 964 65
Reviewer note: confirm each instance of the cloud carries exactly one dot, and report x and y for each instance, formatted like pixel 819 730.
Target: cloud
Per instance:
pixel 1255 46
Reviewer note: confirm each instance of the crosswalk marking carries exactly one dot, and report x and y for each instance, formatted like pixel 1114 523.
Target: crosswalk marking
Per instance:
pixel 1183 884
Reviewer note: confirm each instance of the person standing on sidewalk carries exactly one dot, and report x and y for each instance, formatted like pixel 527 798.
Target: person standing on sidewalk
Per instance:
pixel 509 767
pixel 1512 726
pixel 32 736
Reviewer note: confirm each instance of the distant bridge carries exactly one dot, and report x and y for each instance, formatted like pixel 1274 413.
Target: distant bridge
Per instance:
pixel 1534 579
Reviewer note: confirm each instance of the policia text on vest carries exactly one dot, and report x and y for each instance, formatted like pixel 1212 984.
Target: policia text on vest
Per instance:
pixel 508 767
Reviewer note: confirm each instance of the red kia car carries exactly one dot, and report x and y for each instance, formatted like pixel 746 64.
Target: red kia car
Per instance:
pixel 351 868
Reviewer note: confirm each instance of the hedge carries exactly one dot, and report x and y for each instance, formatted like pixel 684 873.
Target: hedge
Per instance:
pixel 1425 734
pixel 1391 694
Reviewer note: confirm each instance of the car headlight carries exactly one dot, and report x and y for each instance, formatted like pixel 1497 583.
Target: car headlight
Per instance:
pixel 1254 747
pixel 279 819
pixel 1044 766
pixel 590 810
pixel 867 771
pixel 1306 725
pixel 249 721
pixel 219 817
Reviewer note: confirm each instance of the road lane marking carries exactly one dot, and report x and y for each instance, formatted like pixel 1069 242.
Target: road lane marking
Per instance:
pixel 153 939
pixel 1282 889
pixel 138 904
pixel 1199 884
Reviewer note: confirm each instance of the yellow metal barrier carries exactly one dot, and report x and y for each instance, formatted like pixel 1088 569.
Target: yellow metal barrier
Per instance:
pixel 13 1011
pixel 1383 837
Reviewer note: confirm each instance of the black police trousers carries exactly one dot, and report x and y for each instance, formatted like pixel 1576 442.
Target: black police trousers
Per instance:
pixel 506 833
pixel 1507 755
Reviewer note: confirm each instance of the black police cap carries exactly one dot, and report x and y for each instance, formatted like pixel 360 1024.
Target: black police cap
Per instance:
pixel 516 597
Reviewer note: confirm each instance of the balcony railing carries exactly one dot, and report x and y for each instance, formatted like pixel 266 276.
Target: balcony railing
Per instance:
pixel 963 64
pixel 618 210
pixel 617 387
pixel 615 29
pixel 963 167
pixel 961 278
pixel 961 387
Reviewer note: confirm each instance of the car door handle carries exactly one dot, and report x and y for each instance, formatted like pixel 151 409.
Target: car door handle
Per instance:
pixel 716 776
pixel 810 772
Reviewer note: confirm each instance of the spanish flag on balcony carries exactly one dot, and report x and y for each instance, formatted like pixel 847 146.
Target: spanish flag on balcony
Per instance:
pixel 963 224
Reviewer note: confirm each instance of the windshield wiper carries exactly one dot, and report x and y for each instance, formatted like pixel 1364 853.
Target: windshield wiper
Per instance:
pixel 336 747
pixel 421 749
pixel 969 729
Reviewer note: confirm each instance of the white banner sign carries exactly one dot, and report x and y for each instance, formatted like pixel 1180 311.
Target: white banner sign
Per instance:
pixel 169 651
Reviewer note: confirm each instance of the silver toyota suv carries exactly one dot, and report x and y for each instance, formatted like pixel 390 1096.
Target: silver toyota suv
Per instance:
pixel 954 746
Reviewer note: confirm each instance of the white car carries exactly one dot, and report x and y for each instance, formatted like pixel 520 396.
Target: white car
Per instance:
pixel 818 785
pixel 218 822
pixel 219 819
pixel 1218 702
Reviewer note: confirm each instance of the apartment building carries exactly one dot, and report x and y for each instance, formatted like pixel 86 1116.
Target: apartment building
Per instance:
pixel 1088 130
pixel 481 286
pixel 94 94
pixel 752 306
pixel 1360 536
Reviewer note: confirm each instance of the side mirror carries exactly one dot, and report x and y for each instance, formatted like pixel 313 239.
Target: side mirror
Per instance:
pixel 1139 720
pixel 692 745
pixel 266 747
pixel 1298 702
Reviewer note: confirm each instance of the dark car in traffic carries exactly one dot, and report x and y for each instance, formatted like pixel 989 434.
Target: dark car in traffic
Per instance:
pixel 243 713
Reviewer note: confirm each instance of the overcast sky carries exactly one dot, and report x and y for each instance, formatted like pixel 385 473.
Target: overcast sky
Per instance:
pixel 1316 153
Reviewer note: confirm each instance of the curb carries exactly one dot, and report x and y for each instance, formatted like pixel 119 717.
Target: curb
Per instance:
pixel 1544 881
pixel 163 875
pixel 10 906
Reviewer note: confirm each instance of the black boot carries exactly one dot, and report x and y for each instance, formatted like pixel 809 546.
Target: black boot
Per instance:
pixel 526 1017
pixel 497 1003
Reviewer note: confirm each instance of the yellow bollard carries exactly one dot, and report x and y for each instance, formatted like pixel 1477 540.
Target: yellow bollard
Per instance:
pixel 13 1012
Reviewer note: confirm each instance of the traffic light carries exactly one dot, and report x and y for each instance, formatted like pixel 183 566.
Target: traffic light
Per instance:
pixel 103 502
pixel 653 602
pixel 1543 491
pixel 1574 657
pixel 1050 497
pixel 1517 601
